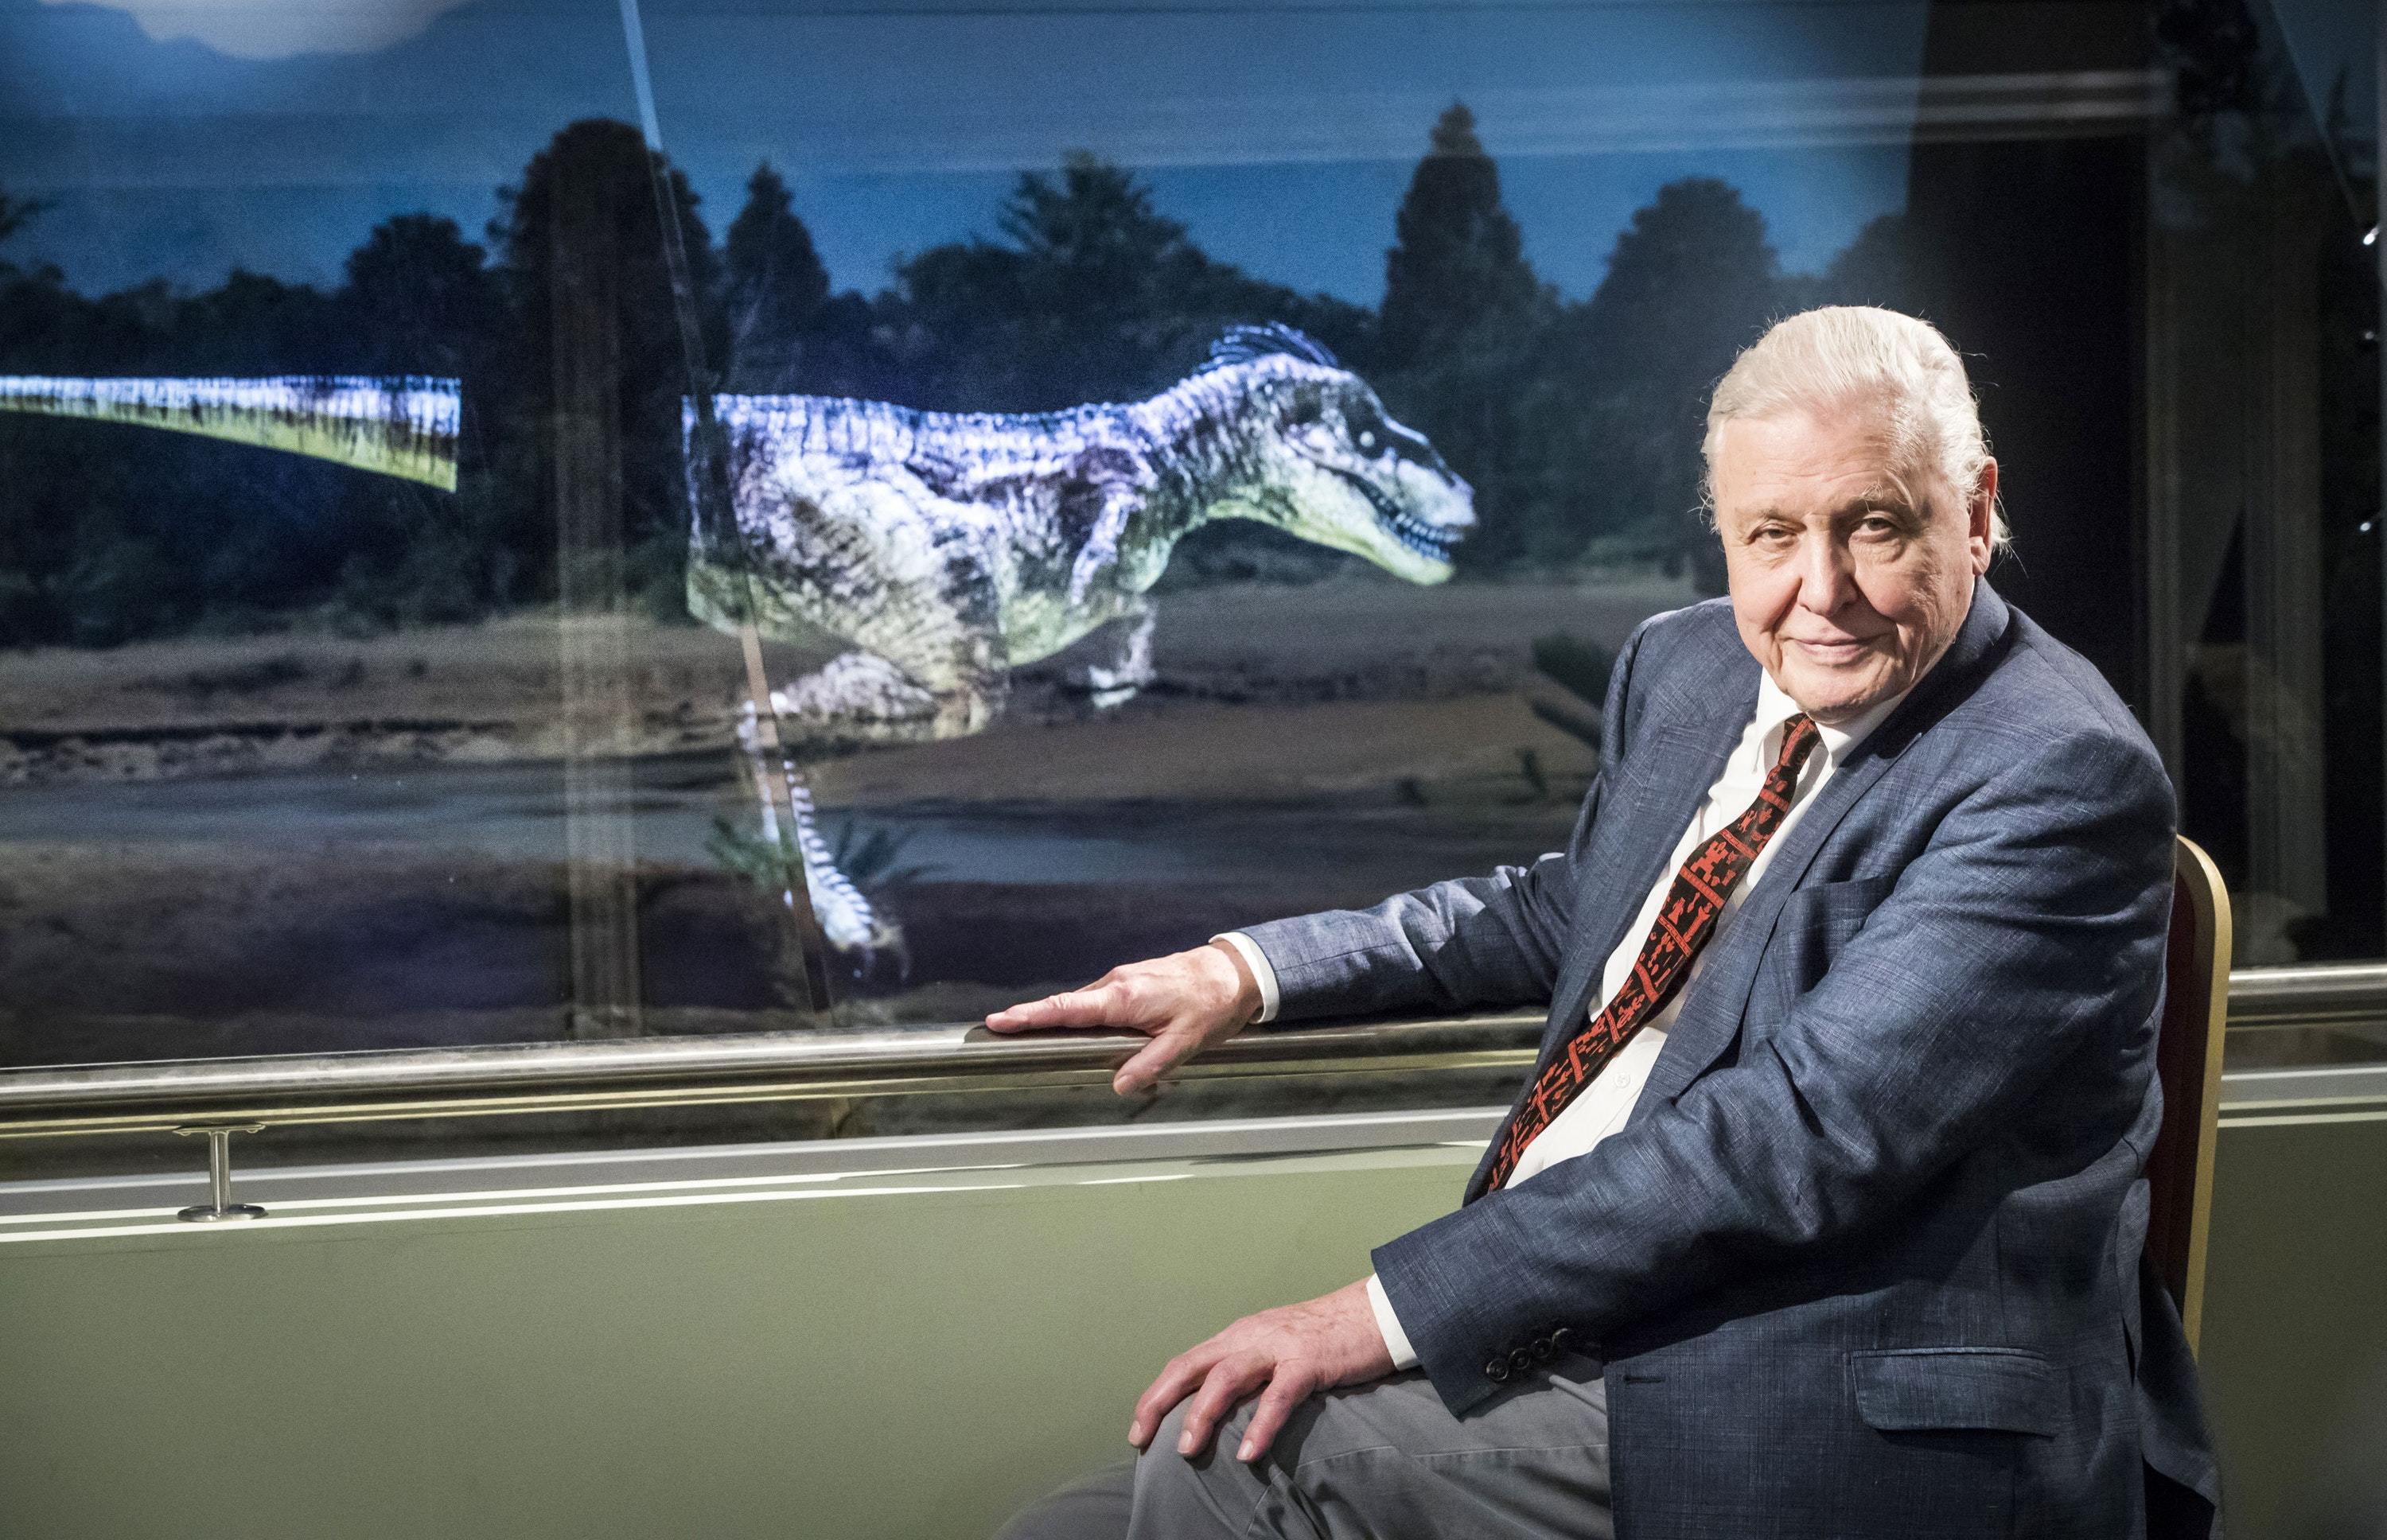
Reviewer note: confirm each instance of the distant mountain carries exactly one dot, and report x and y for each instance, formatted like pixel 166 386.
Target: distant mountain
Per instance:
pixel 173 160
pixel 80 60
pixel 89 60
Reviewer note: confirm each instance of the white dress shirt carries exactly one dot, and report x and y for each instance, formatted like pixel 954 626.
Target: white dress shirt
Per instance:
pixel 1602 1107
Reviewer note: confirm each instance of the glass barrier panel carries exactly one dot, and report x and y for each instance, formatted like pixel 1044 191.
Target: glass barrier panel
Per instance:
pixel 533 522
pixel 2263 545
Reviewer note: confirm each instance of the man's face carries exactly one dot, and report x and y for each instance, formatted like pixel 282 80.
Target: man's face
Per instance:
pixel 1850 575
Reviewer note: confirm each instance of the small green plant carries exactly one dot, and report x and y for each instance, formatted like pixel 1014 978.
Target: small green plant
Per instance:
pixel 872 860
pixel 758 860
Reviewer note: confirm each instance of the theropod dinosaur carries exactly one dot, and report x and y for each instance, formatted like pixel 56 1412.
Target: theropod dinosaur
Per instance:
pixel 398 426
pixel 945 550
pixel 401 426
pixel 404 426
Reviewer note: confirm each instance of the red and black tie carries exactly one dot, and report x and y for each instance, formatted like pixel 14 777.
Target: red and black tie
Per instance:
pixel 1685 922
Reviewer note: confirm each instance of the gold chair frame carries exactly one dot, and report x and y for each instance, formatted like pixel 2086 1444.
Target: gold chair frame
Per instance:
pixel 2188 1061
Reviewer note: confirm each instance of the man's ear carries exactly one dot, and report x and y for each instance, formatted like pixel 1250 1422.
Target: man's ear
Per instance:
pixel 1982 517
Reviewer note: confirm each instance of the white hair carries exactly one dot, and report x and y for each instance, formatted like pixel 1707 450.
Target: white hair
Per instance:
pixel 1843 356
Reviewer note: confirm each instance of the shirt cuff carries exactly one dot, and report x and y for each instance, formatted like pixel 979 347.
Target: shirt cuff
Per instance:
pixel 1396 1341
pixel 1263 975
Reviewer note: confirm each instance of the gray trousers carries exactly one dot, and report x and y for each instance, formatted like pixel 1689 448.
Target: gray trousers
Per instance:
pixel 1379 1461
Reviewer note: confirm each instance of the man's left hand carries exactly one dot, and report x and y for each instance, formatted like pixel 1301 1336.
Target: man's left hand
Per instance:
pixel 1286 1355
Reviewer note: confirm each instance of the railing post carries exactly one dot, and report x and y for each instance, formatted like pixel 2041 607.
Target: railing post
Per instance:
pixel 219 1204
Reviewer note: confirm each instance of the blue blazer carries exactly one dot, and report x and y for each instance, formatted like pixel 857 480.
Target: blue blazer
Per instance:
pixel 1866 1259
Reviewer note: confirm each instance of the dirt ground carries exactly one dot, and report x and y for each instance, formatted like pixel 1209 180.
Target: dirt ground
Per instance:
pixel 1387 727
pixel 1295 663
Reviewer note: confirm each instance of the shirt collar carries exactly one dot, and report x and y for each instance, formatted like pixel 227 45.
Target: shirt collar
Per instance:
pixel 1775 708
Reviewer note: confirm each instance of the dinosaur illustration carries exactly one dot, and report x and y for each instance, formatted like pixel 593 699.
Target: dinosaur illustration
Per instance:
pixel 941 549
pixel 402 426
pixel 944 549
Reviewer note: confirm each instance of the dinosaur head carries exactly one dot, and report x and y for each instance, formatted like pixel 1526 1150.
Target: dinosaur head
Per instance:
pixel 1328 463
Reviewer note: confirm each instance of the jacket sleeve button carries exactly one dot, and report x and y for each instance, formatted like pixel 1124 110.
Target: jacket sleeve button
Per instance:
pixel 1496 1370
pixel 1520 1360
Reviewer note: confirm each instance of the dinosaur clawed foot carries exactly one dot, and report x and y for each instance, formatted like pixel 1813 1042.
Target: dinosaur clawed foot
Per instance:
pixel 1116 680
pixel 860 699
pixel 856 695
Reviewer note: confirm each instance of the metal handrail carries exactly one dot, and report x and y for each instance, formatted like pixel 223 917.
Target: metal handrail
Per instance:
pixel 790 1065
pixel 647 1072
pixel 2307 995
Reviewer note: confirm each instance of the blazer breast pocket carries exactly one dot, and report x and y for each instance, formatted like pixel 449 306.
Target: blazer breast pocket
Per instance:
pixel 1811 927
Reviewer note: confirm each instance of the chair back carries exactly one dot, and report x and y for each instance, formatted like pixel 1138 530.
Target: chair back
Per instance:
pixel 2188 1062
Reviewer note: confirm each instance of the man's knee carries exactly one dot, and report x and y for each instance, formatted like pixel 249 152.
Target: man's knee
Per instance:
pixel 1207 1494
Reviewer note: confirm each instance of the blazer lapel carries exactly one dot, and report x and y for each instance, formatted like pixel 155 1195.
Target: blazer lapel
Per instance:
pixel 1671 770
pixel 1711 1018
pixel 1658 787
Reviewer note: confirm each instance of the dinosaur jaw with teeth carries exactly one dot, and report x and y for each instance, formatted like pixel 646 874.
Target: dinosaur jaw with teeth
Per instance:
pixel 1434 542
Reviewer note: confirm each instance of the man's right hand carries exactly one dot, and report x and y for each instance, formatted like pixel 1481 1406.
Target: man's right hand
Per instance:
pixel 1184 1003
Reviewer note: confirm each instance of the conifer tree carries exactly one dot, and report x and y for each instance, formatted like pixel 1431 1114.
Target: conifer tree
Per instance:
pixel 421 299
pixel 1881 266
pixel 601 366
pixel 777 285
pixel 1092 294
pixel 1690 283
pixel 1091 240
pixel 1459 258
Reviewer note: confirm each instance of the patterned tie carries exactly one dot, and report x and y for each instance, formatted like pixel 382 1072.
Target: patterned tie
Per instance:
pixel 1685 922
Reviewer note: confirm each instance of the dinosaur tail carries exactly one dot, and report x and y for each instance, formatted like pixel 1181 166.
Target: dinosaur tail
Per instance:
pixel 397 426
pixel 850 922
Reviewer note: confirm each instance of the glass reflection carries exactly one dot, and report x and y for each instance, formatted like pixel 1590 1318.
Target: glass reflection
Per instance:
pixel 1045 484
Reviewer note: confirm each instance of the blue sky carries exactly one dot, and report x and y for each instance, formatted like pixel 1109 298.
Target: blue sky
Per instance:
pixel 179 137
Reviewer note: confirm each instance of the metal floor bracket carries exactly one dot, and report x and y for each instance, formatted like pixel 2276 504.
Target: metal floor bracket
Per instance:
pixel 221 1206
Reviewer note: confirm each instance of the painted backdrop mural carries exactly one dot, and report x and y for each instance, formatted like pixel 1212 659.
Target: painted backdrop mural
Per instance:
pixel 950 549
pixel 1104 589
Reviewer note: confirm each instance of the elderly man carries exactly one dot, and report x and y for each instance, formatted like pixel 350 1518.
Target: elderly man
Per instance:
pixel 1821 1214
